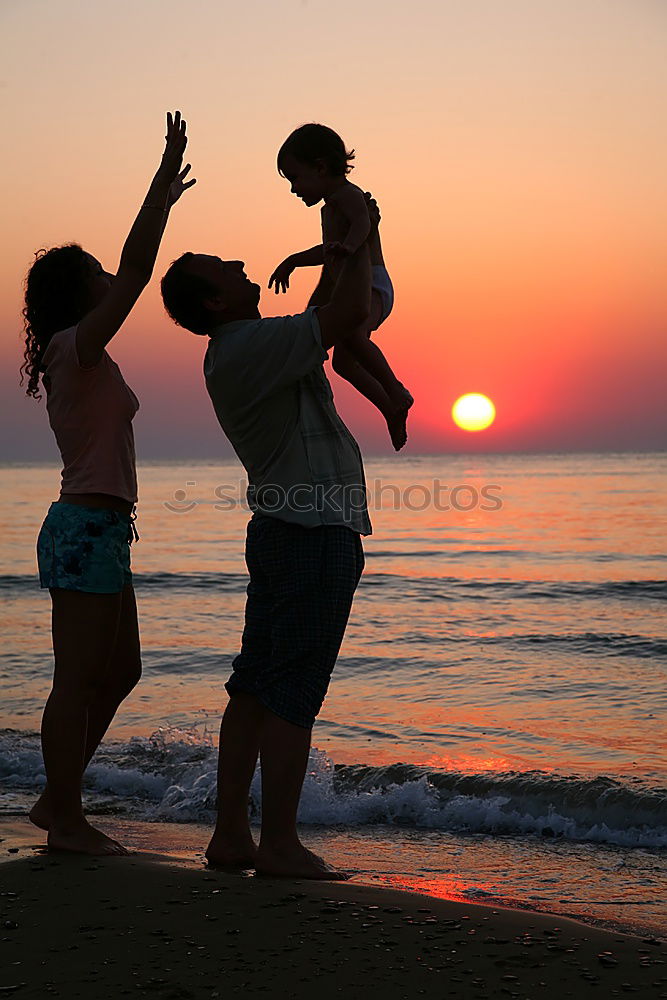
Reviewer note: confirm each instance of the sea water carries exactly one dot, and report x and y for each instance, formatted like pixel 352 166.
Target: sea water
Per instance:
pixel 495 725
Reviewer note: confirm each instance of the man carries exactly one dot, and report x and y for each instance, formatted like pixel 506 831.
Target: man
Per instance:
pixel 303 549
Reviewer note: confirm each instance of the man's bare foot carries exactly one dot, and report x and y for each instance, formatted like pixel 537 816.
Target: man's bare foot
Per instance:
pixel 397 421
pixel 231 852
pixel 83 838
pixel 295 862
pixel 40 814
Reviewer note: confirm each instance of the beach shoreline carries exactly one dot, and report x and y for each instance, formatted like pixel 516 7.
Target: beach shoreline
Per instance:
pixel 158 925
pixel 447 867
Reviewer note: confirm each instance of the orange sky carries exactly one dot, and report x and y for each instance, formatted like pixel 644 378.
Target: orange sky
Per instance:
pixel 517 148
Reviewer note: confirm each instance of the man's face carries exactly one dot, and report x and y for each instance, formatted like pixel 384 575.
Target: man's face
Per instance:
pixel 235 292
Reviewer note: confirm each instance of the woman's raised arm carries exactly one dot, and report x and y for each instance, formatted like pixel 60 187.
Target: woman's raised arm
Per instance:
pixel 140 250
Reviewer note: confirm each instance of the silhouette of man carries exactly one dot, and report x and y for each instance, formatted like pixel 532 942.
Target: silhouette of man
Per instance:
pixel 306 488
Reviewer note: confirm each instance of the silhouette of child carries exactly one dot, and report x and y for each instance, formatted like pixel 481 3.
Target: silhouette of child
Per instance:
pixel 315 162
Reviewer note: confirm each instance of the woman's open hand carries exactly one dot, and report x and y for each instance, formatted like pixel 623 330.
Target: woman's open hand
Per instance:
pixel 175 142
pixel 177 187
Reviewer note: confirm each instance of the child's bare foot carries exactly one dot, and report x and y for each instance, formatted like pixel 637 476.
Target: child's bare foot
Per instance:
pixel 82 838
pixel 231 852
pixel 295 861
pixel 397 421
pixel 40 814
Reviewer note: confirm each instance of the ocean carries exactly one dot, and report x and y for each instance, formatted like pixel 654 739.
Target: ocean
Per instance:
pixel 495 726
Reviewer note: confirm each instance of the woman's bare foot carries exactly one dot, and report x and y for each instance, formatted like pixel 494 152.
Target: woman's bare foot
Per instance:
pixel 295 861
pixel 225 851
pixel 397 420
pixel 40 814
pixel 82 838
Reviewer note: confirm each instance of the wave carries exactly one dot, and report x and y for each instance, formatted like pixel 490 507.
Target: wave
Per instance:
pixel 171 777
pixel 436 588
pixel 447 587
pixel 234 582
pixel 593 643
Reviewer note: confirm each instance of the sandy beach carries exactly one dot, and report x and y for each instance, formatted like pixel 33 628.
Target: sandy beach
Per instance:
pixel 160 926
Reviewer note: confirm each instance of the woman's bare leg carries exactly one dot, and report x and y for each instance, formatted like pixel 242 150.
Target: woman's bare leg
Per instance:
pixel 123 673
pixel 85 630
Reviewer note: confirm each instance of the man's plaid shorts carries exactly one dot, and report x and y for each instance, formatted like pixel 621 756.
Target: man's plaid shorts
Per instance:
pixel 302 581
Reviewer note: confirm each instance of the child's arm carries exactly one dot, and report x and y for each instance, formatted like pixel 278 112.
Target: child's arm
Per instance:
pixel 306 258
pixel 351 203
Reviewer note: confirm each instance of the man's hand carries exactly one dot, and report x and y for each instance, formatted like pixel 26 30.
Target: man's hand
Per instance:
pixel 281 275
pixel 373 210
pixel 177 187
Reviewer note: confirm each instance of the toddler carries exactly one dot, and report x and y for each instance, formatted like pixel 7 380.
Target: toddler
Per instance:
pixel 315 162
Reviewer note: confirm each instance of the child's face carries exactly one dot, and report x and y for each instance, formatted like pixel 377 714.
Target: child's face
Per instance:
pixel 308 181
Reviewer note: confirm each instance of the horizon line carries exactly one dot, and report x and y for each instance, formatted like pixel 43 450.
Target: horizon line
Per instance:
pixel 54 463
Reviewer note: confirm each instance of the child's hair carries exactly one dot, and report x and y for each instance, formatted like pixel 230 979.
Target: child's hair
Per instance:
pixel 310 143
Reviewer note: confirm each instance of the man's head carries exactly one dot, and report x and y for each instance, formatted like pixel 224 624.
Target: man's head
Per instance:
pixel 201 292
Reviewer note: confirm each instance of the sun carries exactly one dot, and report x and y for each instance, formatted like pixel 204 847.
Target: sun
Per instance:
pixel 473 412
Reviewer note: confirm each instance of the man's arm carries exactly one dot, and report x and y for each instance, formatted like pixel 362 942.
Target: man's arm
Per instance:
pixel 350 303
pixel 306 258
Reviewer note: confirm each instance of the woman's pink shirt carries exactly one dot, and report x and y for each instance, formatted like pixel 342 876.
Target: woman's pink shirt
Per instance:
pixel 90 411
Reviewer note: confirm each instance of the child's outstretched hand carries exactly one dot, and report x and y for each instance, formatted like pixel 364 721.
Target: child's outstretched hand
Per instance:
pixel 281 275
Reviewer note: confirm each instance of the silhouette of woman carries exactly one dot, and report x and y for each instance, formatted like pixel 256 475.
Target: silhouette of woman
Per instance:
pixel 73 308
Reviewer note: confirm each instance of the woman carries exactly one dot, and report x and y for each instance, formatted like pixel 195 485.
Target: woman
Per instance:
pixel 73 308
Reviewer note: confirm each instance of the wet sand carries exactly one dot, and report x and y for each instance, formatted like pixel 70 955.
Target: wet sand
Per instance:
pixel 156 926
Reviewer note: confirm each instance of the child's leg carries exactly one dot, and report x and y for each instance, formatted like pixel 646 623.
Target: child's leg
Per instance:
pixel 346 365
pixel 371 358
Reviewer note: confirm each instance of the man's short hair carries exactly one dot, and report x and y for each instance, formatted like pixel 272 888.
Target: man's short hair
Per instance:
pixel 183 295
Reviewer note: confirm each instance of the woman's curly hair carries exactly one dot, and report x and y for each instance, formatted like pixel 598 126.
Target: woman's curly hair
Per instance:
pixel 57 296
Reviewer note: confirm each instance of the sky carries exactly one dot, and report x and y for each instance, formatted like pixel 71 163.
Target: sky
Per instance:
pixel 517 150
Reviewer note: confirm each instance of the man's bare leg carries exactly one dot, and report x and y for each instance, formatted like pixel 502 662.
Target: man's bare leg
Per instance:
pixel 240 731
pixel 284 757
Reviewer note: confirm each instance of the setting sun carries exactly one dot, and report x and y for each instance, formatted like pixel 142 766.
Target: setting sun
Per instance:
pixel 473 412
